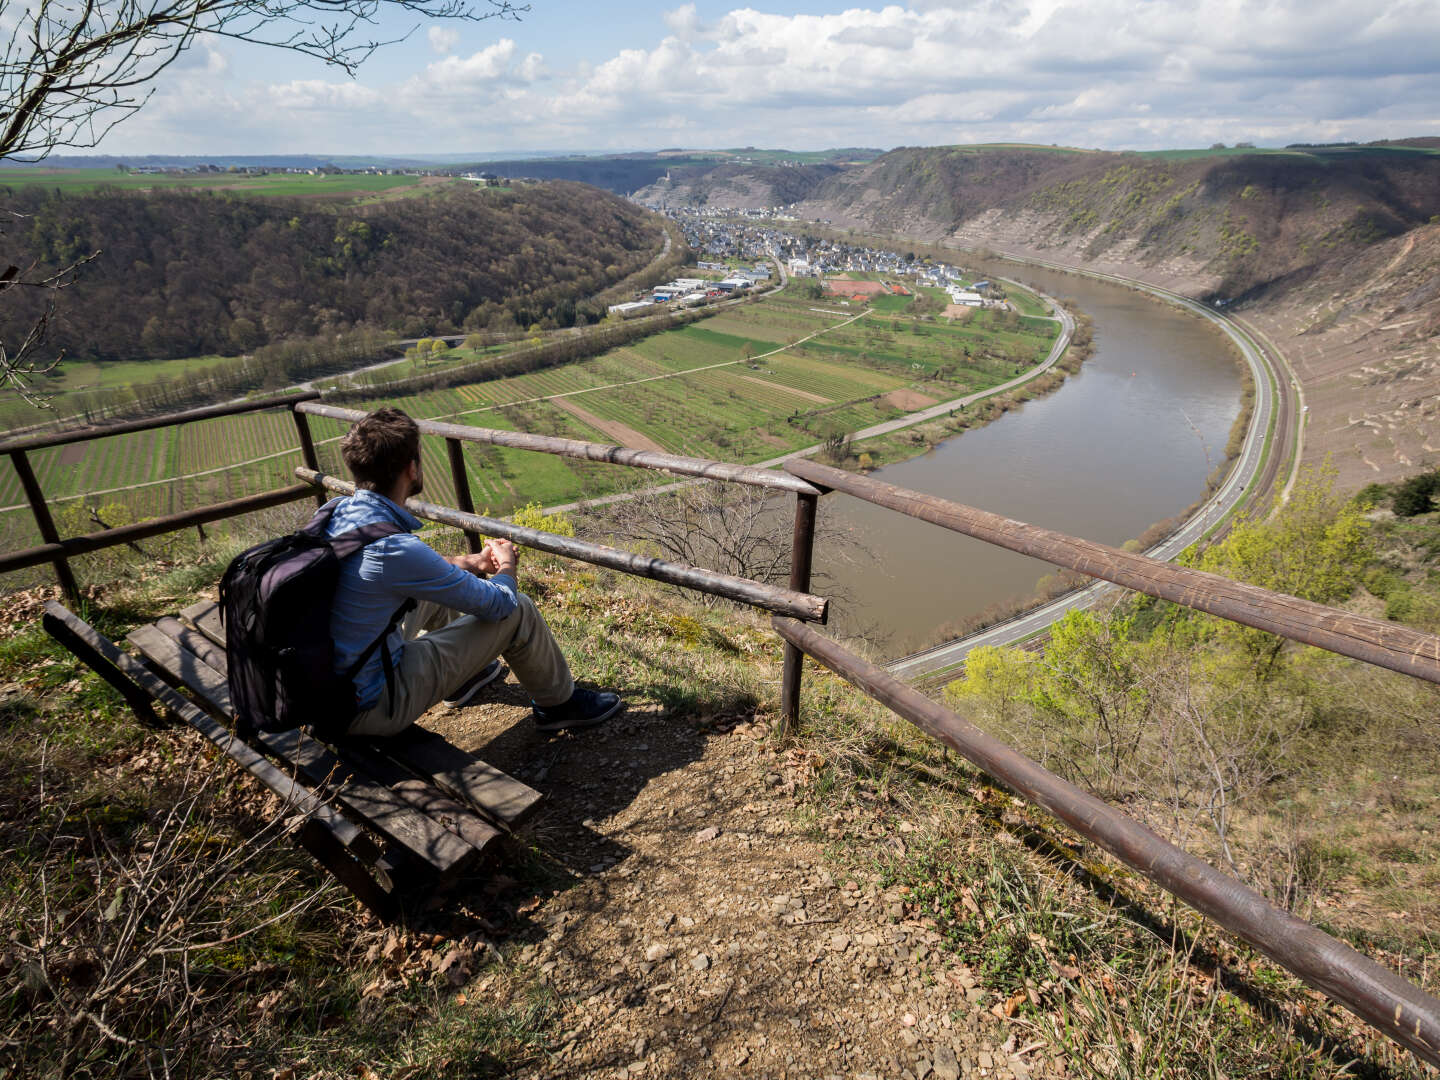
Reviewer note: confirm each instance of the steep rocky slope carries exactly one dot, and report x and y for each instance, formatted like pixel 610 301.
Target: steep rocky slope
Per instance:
pixel 1239 221
pixel 739 187
pixel 1363 335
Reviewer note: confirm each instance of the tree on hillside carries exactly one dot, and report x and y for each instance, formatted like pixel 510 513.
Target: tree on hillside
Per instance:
pixel 73 69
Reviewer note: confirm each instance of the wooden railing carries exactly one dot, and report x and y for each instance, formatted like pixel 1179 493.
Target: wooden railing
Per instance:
pixel 1375 641
pixel 59 552
pixel 793 602
pixel 1394 1006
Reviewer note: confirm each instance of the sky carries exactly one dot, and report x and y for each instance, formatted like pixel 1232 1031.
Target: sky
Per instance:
pixel 1112 74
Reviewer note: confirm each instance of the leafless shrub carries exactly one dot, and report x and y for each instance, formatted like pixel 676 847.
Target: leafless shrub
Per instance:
pixel 126 959
pixel 1147 724
pixel 730 528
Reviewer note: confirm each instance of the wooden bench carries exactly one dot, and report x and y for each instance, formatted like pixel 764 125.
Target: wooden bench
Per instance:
pixel 380 814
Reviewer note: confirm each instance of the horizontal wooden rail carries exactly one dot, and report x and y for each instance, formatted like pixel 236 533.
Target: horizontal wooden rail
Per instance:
pixel 799 605
pixel 1374 993
pixel 1385 644
pixel 588 451
pixel 101 431
pixel 125 534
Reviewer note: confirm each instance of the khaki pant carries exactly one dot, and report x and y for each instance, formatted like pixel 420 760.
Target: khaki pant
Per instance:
pixel 444 648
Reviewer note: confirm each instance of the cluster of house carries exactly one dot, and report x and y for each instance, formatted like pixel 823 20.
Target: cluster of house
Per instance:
pixel 691 292
pixel 711 234
pixel 804 256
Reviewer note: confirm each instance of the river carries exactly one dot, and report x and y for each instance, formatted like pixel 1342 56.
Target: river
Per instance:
pixel 1125 443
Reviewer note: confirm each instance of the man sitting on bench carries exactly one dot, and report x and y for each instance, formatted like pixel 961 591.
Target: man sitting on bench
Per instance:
pixel 447 646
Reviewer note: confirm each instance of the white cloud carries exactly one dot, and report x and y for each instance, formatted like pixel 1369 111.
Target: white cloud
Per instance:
pixel 1084 72
pixel 684 22
pixel 443 39
pixel 532 68
pixel 318 94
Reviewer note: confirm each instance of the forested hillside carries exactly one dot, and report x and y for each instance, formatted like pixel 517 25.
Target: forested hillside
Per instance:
pixel 182 274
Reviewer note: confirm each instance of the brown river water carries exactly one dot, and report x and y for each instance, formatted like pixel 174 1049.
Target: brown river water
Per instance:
pixel 1127 442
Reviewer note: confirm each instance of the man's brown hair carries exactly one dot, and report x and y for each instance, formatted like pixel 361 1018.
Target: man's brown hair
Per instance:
pixel 379 447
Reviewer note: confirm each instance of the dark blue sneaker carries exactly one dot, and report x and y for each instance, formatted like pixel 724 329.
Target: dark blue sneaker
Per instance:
pixel 586 708
pixel 473 685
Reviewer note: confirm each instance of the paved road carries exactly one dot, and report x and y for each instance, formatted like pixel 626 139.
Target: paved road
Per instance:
pixel 943 658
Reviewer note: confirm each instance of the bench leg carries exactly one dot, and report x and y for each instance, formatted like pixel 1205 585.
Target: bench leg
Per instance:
pixel 372 887
pixel 87 646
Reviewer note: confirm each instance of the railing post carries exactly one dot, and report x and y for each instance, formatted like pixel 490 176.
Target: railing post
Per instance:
pixel 307 448
pixel 802 552
pixel 462 488
pixel 45 523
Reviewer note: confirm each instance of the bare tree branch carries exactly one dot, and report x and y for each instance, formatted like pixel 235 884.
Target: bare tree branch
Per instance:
pixel 20 364
pixel 71 68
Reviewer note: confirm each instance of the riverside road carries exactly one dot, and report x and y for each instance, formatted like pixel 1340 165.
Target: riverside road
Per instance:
pixel 1254 472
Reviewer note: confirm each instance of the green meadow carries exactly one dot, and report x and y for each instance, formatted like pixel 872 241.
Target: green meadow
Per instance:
pixel 288 184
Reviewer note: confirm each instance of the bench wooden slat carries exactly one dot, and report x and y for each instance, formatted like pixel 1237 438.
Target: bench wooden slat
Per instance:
pixel 383 768
pixel 195 642
pixel 462 774
pixel 497 794
pixel 89 645
pixel 460 819
pixel 206 617
pixel 390 814
pixel 183 668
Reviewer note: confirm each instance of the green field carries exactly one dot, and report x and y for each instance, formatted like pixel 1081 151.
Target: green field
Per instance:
pixel 1026 301
pixel 75 377
pixel 405 367
pixel 289 184
pixel 748 384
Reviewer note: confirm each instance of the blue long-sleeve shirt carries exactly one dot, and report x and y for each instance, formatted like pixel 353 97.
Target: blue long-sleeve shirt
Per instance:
pixel 375 581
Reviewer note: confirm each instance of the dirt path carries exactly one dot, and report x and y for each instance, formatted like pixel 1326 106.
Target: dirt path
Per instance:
pixel 706 933
pixel 621 433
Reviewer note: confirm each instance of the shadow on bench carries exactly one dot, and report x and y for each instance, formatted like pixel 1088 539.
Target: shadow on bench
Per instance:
pixel 411 809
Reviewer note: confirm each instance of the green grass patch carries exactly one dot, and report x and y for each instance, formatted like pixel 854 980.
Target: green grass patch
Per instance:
pixel 1028 303
pixel 275 184
pixel 891 302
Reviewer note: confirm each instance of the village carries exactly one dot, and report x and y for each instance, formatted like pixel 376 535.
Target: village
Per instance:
pixel 722 242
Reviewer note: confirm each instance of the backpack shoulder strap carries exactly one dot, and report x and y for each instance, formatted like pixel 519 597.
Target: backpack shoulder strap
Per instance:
pixel 380 643
pixel 321 518
pixel 348 543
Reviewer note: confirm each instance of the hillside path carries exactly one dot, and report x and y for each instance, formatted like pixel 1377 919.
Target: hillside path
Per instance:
pixel 705 931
